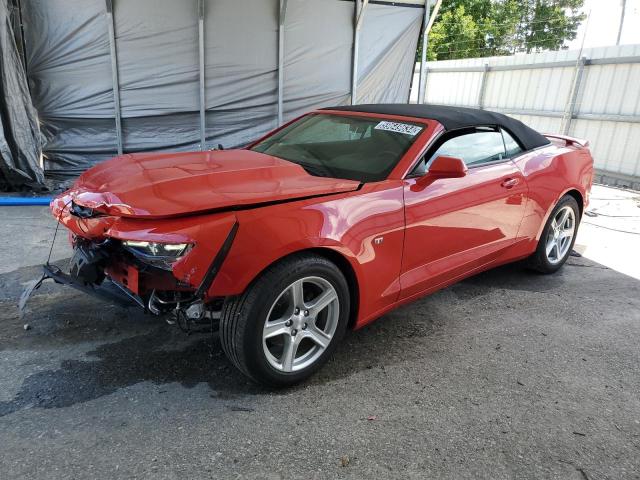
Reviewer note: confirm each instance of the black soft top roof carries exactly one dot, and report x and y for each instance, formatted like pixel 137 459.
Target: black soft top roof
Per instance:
pixel 453 118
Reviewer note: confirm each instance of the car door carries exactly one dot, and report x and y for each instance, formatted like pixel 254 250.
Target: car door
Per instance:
pixel 455 225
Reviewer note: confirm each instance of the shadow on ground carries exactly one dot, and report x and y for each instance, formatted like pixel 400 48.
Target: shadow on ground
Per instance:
pixel 113 366
pixel 133 348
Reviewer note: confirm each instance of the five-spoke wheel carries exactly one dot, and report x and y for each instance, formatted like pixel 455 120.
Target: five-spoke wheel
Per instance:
pixel 300 324
pixel 558 236
pixel 288 322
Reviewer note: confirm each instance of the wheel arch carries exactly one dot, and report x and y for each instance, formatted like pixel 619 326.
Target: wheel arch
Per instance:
pixel 579 198
pixel 349 274
pixel 339 260
pixel 539 260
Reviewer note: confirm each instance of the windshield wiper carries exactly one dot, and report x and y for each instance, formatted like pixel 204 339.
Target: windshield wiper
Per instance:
pixel 315 170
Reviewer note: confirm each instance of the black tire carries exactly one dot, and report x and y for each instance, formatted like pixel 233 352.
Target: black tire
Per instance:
pixel 243 318
pixel 539 261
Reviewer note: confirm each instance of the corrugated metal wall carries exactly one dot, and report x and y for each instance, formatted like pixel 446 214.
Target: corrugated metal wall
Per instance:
pixel 541 89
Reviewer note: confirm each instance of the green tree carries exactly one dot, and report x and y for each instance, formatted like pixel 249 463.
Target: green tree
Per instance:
pixel 483 28
pixel 547 25
pixel 454 36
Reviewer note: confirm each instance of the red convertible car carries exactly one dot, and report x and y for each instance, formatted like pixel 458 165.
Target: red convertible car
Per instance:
pixel 323 224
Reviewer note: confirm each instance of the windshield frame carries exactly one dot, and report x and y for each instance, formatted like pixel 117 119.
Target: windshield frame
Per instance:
pixel 403 164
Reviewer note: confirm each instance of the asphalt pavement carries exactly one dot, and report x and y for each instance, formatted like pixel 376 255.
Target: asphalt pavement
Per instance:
pixel 509 374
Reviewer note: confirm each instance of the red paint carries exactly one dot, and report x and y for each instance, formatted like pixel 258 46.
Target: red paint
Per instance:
pixel 172 184
pixel 456 224
pixel 445 167
pixel 435 230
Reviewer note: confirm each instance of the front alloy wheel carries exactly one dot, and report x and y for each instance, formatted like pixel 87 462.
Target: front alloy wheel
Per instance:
pixel 288 322
pixel 300 324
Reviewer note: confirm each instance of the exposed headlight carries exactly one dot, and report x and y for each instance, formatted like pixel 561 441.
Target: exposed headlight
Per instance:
pixel 158 254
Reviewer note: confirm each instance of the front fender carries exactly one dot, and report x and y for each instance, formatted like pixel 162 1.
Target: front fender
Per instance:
pixel 347 224
pixel 239 270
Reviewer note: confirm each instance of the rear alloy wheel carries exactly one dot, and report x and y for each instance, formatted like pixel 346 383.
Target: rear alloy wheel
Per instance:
pixel 288 322
pixel 558 237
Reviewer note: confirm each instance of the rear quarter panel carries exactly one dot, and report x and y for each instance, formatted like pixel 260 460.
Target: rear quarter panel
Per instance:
pixel 551 172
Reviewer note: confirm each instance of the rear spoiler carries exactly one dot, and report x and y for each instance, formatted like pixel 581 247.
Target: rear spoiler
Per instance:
pixel 569 141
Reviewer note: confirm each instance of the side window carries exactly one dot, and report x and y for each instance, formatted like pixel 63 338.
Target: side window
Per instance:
pixel 511 145
pixel 474 147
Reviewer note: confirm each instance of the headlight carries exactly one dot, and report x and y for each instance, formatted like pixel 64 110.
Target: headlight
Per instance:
pixel 159 254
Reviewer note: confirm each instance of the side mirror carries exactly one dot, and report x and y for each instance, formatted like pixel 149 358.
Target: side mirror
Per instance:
pixel 448 167
pixel 441 167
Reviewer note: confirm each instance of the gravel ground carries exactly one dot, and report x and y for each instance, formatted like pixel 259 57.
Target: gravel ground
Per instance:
pixel 508 374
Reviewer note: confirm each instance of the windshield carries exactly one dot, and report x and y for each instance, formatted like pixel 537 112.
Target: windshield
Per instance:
pixel 354 148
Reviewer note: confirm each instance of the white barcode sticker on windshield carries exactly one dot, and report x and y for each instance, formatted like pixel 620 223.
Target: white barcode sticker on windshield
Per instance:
pixel 405 128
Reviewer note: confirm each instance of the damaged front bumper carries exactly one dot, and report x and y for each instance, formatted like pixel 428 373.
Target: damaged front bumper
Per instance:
pixel 107 290
pixel 108 271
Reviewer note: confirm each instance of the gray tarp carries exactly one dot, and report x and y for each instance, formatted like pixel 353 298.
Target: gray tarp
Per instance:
pixel 19 134
pixel 69 67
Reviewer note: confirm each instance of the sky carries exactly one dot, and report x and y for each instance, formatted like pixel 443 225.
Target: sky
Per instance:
pixel 602 29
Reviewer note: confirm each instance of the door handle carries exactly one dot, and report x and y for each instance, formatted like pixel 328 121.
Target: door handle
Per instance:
pixel 510 182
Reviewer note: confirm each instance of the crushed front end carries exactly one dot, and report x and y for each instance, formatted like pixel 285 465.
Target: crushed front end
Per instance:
pixel 163 265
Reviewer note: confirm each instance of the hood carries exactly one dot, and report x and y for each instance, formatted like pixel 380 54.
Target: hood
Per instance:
pixel 173 184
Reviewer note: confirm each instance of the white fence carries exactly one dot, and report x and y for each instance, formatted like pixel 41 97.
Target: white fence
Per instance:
pixel 595 96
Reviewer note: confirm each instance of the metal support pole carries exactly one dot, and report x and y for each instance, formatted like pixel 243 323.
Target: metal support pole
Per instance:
pixel 281 18
pixel 483 86
pixel 422 79
pixel 361 6
pixel 114 73
pixel 570 114
pixel 20 37
pixel 622 14
pixel 203 99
